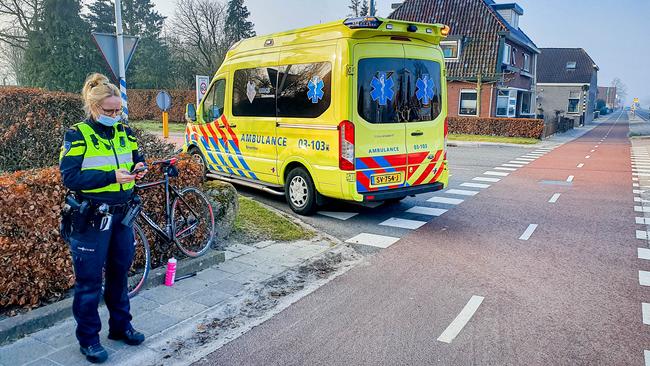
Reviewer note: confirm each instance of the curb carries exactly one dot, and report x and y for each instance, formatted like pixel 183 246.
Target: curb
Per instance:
pixel 21 325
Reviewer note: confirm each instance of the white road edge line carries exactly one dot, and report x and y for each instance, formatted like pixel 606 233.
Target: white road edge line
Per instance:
pixel 529 231
pixel 461 320
pixel 554 198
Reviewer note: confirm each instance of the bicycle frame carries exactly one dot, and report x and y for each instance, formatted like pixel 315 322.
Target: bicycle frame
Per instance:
pixel 167 233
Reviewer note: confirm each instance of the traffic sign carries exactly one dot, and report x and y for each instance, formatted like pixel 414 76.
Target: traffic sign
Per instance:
pixel 163 100
pixel 107 44
pixel 202 83
pixel 636 100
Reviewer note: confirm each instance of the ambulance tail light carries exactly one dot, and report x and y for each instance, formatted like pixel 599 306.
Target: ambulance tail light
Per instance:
pixel 346 145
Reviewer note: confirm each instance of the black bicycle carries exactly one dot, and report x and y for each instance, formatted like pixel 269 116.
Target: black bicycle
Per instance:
pixel 189 223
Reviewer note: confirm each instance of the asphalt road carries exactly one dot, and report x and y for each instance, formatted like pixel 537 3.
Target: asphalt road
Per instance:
pixel 540 268
pixel 348 220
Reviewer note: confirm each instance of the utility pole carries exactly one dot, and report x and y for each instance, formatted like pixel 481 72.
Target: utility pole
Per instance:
pixel 120 57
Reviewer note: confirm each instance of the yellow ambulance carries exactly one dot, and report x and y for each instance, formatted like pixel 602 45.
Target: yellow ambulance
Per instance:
pixel 352 110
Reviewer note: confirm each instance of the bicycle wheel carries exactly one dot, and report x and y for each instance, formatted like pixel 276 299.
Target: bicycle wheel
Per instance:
pixel 192 222
pixel 137 275
pixel 141 262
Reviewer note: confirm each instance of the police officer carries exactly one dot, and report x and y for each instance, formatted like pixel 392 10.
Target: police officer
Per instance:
pixel 96 161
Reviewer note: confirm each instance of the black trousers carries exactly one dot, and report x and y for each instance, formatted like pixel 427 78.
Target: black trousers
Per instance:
pixel 92 252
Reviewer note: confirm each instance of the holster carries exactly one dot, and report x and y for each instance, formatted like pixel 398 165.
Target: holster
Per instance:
pixel 132 213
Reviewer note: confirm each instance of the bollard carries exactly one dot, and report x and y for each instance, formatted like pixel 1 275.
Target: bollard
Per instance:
pixel 165 120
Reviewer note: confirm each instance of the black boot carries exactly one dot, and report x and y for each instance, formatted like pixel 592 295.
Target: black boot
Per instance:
pixel 131 337
pixel 95 353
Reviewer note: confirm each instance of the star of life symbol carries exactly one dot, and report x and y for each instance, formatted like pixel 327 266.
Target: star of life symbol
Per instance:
pixel 315 87
pixel 382 91
pixel 424 91
pixel 250 91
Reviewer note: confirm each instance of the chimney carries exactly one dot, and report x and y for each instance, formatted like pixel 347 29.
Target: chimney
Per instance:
pixel 510 12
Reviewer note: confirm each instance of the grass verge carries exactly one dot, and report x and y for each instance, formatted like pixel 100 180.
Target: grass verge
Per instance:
pixel 257 223
pixel 487 138
pixel 156 126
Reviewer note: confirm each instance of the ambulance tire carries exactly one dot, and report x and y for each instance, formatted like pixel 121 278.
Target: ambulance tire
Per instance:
pixel 198 157
pixel 300 192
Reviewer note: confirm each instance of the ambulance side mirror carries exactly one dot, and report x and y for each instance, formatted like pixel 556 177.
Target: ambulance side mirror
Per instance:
pixel 190 112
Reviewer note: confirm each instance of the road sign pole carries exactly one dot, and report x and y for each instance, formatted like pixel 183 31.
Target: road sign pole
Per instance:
pixel 120 57
pixel 165 119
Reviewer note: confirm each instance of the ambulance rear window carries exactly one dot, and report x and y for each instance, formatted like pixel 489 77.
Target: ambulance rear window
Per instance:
pixel 397 90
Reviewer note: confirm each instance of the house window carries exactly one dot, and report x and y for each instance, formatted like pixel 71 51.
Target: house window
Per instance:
pixel 451 50
pixel 526 62
pixel 468 104
pixel 574 102
pixel 526 101
pixel 507 54
pixel 571 65
pixel 507 103
pixel 513 61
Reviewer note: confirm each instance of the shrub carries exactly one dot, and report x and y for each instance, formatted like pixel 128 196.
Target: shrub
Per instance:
pixel 34 121
pixel 142 104
pixel 509 127
pixel 35 264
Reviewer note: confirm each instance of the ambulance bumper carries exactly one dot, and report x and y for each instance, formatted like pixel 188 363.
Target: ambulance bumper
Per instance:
pixel 401 192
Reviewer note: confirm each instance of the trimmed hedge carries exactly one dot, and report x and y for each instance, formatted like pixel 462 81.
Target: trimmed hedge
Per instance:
pixel 142 104
pixel 33 122
pixel 35 264
pixel 509 127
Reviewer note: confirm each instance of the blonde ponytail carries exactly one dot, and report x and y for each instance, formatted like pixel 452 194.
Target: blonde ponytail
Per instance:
pixel 96 88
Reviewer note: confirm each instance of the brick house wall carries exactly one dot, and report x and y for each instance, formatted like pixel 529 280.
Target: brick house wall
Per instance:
pixel 488 98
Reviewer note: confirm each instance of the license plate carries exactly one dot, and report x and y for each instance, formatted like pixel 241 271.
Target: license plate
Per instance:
pixel 386 179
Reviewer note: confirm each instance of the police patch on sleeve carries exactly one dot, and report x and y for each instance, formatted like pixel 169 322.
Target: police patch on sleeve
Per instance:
pixel 67 145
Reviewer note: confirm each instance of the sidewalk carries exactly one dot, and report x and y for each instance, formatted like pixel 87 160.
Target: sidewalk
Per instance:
pixel 638 126
pixel 178 316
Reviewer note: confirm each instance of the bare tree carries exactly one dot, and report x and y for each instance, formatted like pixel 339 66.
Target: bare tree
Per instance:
pixel 198 26
pixel 621 89
pixel 19 18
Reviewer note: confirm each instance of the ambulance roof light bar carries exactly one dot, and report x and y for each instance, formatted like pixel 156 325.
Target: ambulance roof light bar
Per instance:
pixel 362 22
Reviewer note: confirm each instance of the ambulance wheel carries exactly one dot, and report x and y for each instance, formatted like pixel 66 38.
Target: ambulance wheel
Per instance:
pixel 300 192
pixel 198 157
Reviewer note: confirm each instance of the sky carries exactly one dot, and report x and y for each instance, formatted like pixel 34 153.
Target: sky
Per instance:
pixel 615 33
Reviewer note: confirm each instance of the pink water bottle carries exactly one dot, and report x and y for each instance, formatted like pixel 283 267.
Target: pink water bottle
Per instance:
pixel 170 275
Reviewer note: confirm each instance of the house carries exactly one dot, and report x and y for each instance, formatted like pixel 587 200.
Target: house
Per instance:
pixel 490 60
pixel 567 84
pixel 608 95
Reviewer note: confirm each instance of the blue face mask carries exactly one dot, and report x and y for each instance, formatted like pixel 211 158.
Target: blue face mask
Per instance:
pixel 108 121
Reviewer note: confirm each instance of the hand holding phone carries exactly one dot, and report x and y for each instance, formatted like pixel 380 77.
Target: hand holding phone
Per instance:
pixel 138 170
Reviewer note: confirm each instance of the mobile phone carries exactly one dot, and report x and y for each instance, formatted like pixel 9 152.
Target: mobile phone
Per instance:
pixel 139 170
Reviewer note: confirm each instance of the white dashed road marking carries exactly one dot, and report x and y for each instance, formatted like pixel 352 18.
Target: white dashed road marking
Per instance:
pixel 642 220
pixel 403 223
pixel 486 179
pixel 525 159
pixel 643 253
pixel 644 278
pixel 461 320
pixel 519 162
pixel 338 215
pixel 498 174
pixel 373 240
pixel 513 165
pixel 446 200
pixel 506 169
pixel 462 192
pixel 529 231
pixel 581 165
pixel 570 179
pixel 475 185
pixel 587 157
pixel 429 211
pixel 554 198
